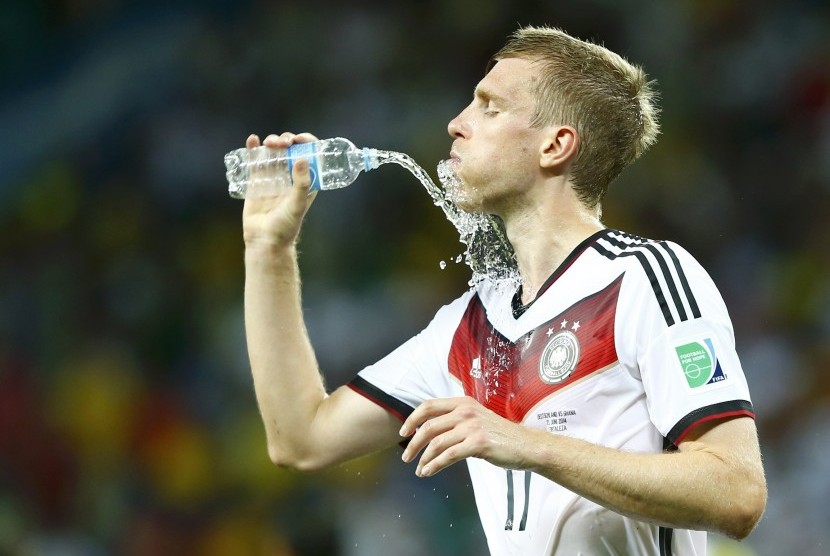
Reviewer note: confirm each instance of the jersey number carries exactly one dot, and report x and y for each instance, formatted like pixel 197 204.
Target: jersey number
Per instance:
pixel 508 525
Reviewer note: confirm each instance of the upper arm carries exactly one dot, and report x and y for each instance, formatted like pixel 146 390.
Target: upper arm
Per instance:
pixel 740 472
pixel 735 439
pixel 347 426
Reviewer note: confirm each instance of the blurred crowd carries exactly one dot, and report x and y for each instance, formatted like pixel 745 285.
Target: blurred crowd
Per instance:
pixel 128 423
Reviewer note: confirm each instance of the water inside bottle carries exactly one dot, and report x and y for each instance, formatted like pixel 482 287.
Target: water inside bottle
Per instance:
pixel 487 253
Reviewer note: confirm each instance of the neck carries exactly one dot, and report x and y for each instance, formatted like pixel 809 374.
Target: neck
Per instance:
pixel 543 236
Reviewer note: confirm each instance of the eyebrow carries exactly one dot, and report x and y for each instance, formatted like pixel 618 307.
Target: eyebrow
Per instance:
pixel 486 94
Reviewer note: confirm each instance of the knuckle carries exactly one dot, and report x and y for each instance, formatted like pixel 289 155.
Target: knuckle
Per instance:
pixel 467 411
pixel 478 439
pixel 437 443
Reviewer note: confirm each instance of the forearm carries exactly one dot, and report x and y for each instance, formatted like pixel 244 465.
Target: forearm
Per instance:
pixel 696 488
pixel 287 381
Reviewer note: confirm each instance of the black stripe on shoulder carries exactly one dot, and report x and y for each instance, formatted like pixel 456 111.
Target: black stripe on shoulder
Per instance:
pixel 375 394
pixel 678 287
pixel 642 243
pixel 655 285
pixel 652 277
pixel 731 408
pixel 683 281
pixel 664 268
pixel 636 241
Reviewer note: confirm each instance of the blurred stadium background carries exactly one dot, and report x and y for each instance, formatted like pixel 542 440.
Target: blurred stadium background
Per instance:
pixel 127 419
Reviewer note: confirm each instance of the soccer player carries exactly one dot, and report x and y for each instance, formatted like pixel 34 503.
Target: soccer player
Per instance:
pixel 600 404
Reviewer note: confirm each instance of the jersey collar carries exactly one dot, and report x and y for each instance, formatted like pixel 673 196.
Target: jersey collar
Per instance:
pixel 516 304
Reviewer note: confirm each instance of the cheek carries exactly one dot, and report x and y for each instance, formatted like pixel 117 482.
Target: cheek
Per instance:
pixel 509 157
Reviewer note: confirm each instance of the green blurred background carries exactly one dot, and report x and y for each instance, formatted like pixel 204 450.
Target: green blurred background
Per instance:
pixel 128 424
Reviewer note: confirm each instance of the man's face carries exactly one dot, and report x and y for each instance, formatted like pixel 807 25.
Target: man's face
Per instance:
pixel 495 152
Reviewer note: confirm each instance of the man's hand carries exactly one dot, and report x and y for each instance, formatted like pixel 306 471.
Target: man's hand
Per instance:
pixel 275 220
pixel 452 429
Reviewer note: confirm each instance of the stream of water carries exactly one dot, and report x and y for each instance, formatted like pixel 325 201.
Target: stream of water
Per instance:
pixel 487 253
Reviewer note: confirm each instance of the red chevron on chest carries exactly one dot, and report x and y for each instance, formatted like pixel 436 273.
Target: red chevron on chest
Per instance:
pixel 508 377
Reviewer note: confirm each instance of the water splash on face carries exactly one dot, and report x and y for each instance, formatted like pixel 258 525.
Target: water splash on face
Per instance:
pixel 487 253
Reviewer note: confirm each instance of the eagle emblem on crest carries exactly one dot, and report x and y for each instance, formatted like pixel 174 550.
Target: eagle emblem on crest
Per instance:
pixel 559 357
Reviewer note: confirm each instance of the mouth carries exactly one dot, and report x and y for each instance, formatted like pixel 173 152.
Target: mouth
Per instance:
pixel 454 158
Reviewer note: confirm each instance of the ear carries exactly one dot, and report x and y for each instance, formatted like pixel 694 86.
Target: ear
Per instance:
pixel 559 148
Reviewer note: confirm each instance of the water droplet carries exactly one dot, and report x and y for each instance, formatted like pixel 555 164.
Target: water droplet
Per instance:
pixel 450 525
pixel 443 265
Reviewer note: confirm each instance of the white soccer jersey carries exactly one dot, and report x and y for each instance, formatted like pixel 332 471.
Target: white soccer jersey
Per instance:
pixel 627 345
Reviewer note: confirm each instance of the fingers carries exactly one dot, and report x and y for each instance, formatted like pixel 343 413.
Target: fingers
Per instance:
pixel 305 138
pixel 452 429
pixel 426 433
pixel 428 410
pixel 300 174
pixel 286 139
pixel 444 429
pixel 443 451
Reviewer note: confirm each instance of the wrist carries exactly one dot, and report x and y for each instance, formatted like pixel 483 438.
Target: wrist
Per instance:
pixel 263 251
pixel 538 450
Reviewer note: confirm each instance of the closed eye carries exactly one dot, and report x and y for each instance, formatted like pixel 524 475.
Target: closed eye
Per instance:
pixel 488 101
pixel 490 108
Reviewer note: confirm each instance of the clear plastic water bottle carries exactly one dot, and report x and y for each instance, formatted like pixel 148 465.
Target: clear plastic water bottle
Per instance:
pixel 262 171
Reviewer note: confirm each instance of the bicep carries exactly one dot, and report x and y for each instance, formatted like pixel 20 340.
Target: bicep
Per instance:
pixel 733 440
pixel 348 426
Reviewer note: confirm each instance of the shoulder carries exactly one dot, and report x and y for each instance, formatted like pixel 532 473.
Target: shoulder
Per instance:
pixel 662 271
pixel 616 244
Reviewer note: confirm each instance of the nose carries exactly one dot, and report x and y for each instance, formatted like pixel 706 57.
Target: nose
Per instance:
pixel 457 127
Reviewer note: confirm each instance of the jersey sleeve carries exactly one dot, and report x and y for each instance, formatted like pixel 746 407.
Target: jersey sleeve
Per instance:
pixel 417 370
pixel 680 342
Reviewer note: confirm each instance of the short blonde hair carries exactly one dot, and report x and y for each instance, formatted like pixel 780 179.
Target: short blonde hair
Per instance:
pixel 609 102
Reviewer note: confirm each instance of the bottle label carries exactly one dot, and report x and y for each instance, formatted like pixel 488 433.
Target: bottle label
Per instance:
pixel 298 151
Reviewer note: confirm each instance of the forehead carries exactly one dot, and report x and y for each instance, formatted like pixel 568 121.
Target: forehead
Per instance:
pixel 511 78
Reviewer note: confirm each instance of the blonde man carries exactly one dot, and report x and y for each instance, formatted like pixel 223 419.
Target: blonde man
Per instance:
pixel 600 405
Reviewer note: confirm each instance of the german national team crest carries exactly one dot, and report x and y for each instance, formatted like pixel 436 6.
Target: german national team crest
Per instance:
pixel 559 358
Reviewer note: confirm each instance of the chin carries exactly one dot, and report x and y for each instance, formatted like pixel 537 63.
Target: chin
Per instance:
pixel 464 196
pixel 466 202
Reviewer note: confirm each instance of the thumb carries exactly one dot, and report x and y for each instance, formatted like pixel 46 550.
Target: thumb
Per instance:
pixel 301 193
